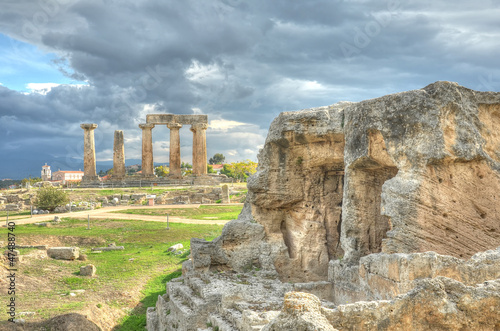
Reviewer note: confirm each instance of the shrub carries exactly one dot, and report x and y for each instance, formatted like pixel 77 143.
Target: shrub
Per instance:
pixel 50 198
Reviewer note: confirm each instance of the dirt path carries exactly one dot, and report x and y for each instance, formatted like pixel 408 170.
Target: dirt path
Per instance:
pixel 103 213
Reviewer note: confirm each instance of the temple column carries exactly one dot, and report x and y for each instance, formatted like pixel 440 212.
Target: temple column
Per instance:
pixel 89 170
pixel 199 148
pixel 147 150
pixel 118 155
pixel 175 150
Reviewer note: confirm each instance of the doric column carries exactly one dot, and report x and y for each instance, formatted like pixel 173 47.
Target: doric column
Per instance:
pixel 118 155
pixel 89 172
pixel 199 148
pixel 175 150
pixel 147 150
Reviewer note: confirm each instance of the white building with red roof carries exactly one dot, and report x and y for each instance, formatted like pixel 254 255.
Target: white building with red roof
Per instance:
pixel 67 176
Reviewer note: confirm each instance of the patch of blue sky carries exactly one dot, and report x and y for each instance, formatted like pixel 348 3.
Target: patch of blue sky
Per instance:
pixel 22 63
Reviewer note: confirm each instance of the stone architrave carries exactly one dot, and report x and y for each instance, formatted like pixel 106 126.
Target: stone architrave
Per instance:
pixel 89 167
pixel 147 150
pixel 199 148
pixel 175 150
pixel 118 155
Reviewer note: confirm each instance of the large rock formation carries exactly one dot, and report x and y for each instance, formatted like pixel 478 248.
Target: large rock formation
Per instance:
pixel 394 199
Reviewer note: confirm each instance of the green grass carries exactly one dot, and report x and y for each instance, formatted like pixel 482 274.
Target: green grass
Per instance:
pixel 130 191
pixel 145 260
pixel 136 320
pixel 3 213
pixel 203 212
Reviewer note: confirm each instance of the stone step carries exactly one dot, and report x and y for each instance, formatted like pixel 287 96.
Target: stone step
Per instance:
pixel 220 323
pixel 177 303
pixel 196 284
pixel 187 296
pixel 232 316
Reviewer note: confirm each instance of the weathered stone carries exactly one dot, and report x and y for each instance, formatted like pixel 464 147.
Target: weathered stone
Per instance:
pixel 380 199
pixel 301 312
pixel 118 155
pixel 225 194
pixel 13 254
pixel 109 248
pixel 199 148
pixel 175 150
pixel 89 167
pixel 63 253
pixel 434 304
pixel 147 150
pixel 175 248
pixel 88 270
pixel 71 322
pixel 138 196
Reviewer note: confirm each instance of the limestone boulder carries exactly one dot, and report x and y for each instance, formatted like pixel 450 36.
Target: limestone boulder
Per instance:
pixel 434 304
pixel 64 253
pixel 301 312
pixel 175 248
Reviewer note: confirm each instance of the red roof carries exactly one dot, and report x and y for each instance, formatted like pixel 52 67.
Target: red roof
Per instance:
pixel 217 166
pixel 70 172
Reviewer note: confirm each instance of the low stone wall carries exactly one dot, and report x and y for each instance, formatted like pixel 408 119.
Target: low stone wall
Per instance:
pixel 136 181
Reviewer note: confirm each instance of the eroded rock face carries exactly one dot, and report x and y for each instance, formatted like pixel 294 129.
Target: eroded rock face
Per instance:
pixel 369 201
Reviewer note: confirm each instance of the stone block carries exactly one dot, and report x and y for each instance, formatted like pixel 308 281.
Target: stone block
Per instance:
pixel 88 270
pixel 64 253
pixel 175 248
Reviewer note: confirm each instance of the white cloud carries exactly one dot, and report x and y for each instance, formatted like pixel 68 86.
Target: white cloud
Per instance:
pixel 224 125
pixel 44 88
pixel 41 88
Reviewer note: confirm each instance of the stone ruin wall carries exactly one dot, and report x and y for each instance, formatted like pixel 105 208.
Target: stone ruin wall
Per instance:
pixel 349 199
pixel 421 174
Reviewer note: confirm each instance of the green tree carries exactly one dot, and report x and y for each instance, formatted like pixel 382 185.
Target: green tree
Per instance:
pixel 162 171
pixel 186 166
pixel 240 170
pixel 30 180
pixel 218 158
pixel 210 169
pixel 50 197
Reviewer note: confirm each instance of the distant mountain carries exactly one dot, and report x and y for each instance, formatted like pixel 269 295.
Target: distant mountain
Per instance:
pixel 24 168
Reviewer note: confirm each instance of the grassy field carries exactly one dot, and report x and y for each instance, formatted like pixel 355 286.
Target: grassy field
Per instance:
pixel 203 212
pixel 126 283
pixel 3 213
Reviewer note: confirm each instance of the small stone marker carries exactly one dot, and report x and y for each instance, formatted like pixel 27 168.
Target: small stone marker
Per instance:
pixel 225 194
pixel 88 270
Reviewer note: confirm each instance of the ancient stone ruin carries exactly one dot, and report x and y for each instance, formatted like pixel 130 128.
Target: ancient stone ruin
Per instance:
pixel 199 125
pixel 382 214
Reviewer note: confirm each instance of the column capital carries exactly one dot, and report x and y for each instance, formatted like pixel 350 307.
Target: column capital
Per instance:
pixel 146 126
pixel 88 126
pixel 199 126
pixel 174 126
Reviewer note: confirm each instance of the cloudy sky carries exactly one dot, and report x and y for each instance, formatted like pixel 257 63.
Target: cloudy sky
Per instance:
pixel 241 62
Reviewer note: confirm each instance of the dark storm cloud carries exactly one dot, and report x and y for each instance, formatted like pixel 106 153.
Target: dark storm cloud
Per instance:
pixel 235 60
